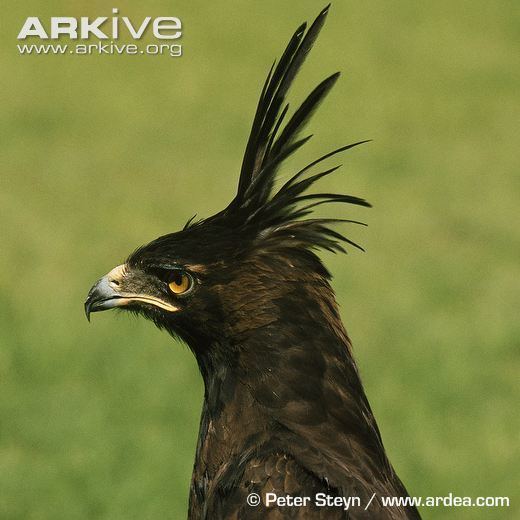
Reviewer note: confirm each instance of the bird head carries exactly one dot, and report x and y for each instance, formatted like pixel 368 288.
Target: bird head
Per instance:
pixel 221 276
pixel 180 281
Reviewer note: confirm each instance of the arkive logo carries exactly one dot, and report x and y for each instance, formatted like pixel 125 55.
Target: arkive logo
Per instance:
pixel 75 35
pixel 102 27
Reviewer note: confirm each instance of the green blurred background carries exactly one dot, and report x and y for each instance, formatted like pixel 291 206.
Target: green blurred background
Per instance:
pixel 100 154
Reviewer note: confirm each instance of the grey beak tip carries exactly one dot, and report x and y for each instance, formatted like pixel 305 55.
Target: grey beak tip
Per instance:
pixel 87 310
pixel 100 297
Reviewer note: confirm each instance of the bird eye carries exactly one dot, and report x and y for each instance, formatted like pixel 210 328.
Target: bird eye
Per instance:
pixel 180 282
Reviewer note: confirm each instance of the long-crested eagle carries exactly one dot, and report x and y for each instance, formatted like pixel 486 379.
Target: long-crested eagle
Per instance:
pixel 284 413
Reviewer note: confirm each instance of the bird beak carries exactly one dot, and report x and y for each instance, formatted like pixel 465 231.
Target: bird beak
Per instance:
pixel 106 294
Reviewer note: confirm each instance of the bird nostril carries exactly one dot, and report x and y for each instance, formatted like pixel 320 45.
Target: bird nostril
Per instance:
pixel 114 282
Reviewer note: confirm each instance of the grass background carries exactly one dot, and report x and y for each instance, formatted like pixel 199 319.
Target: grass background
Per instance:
pixel 101 154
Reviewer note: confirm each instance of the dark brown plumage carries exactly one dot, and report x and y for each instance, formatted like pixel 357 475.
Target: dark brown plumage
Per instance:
pixel 284 409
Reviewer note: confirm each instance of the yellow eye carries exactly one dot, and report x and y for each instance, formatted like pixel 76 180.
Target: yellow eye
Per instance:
pixel 180 283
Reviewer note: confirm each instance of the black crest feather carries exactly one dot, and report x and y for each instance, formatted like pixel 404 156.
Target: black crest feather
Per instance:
pixel 257 207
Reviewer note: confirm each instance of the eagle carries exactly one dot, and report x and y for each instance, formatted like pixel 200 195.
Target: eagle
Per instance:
pixel 285 419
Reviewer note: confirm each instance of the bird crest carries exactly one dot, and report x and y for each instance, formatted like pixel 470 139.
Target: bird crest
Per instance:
pixel 259 209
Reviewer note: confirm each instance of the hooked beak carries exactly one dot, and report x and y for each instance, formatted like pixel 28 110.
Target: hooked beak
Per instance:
pixel 106 294
pixel 102 296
